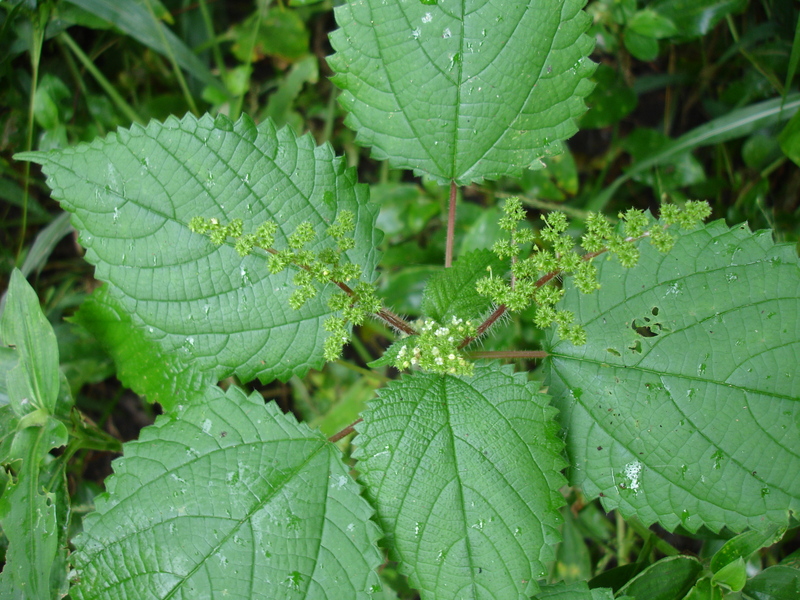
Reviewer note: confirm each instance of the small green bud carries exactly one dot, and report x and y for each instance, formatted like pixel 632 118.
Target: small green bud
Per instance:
pixel 597 225
pixel 304 234
pixel 547 295
pixel 585 278
pixel 218 235
pixel 562 245
pixel 346 272
pixel 670 214
pixel 592 242
pixel 556 223
pixel 368 298
pixel 345 223
pixel 544 316
pixel 564 317
pixel 694 212
pixel 266 234
pixel 628 255
pixel 345 243
pixel 235 228
pixel 662 240
pixel 278 262
pixel 544 261
pixel 524 269
pixel 570 261
pixel 245 244
pixel 505 249
pixel 520 297
pixel 339 301
pixel 636 222
pixel 524 236
pixel 514 213
pixel 198 225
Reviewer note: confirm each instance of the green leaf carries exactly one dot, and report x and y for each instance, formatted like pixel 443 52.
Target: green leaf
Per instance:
pixel 776 583
pixel 133 19
pixel 451 293
pixel 744 545
pixel 686 394
pixel 610 101
pixel 573 591
pixel 738 123
pixel 141 364
pixel 643 47
pixel 278 32
pixel 789 138
pixel 132 196
pixel 31 516
pixel 464 474
pixel 668 579
pixel 650 23
pixel 24 326
pixel 694 18
pixel 231 498
pixel 29 520
pixel 732 576
pixel 459 91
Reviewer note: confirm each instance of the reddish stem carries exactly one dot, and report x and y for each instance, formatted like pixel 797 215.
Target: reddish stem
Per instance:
pixel 346 431
pixel 500 310
pixel 451 225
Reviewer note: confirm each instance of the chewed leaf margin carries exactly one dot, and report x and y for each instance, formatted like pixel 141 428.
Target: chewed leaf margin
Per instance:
pixel 678 406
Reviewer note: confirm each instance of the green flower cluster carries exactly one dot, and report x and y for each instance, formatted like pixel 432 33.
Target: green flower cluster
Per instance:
pixel 555 254
pixel 435 349
pixel 313 267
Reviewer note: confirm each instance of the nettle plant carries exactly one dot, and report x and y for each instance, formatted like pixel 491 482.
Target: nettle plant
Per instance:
pixel 235 250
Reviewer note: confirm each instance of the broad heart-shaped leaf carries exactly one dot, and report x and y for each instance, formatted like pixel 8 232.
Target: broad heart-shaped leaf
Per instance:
pixel 462 91
pixel 464 474
pixel 141 364
pixel 684 405
pixel 132 195
pixel 451 293
pixel 230 498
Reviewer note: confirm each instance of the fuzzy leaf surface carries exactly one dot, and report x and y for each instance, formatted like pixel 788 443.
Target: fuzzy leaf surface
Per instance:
pixel 230 499
pixel 684 405
pixel 464 474
pixel 462 91
pixel 451 293
pixel 132 196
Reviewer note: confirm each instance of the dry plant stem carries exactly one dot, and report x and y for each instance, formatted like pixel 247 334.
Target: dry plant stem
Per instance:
pixel 346 431
pixel 531 354
pixel 451 225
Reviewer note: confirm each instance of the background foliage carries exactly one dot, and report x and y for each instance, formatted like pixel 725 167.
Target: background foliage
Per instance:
pixel 692 100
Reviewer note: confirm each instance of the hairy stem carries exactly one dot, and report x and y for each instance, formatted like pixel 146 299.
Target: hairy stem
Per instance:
pixel 501 310
pixel 451 225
